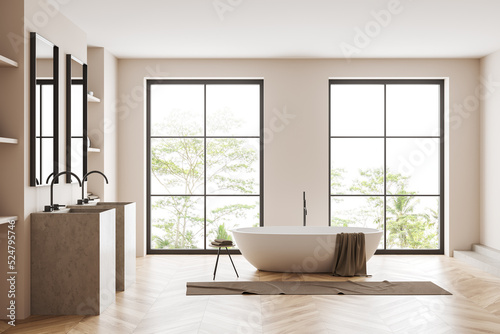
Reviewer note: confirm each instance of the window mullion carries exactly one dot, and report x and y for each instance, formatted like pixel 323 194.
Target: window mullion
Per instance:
pixel 385 167
pixel 205 166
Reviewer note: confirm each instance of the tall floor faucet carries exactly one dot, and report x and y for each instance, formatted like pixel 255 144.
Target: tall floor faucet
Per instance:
pixel 305 207
pixel 84 198
pixel 52 206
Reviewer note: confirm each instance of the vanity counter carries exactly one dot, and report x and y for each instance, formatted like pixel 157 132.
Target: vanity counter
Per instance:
pixel 125 239
pixel 72 261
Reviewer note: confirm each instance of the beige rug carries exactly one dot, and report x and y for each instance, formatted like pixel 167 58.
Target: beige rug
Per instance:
pixel 313 288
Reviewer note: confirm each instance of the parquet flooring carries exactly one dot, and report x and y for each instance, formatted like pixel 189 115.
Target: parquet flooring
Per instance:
pixel 157 303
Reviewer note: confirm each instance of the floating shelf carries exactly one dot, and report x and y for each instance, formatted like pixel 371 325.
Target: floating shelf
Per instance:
pixel 8 140
pixel 6 62
pixel 7 219
pixel 92 98
pixel 93 149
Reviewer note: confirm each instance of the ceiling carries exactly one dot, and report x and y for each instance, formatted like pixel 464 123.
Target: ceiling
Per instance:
pixel 289 28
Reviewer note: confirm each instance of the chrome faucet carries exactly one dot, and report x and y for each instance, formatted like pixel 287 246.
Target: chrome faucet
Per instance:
pixel 84 199
pixel 305 207
pixel 52 206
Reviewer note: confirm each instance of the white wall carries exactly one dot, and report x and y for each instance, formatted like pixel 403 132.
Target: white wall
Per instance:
pixel 490 157
pixel 296 158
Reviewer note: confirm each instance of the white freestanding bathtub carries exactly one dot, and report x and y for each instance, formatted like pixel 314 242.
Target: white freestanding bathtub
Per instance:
pixel 297 248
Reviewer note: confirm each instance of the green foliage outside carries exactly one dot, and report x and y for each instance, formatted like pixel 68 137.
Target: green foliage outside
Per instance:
pixel 177 164
pixel 408 226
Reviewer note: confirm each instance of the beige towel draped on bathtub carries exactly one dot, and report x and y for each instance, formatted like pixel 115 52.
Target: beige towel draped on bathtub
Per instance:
pixel 349 258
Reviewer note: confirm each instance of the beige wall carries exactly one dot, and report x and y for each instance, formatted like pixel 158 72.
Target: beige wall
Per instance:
pixel 102 122
pixel 17 197
pixel 44 68
pixel 12 124
pixel 95 57
pixel 71 40
pixel 296 158
pixel 490 157
pixel 110 125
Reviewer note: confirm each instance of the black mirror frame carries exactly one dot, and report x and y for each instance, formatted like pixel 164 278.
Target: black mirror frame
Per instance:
pixel 69 82
pixel 33 82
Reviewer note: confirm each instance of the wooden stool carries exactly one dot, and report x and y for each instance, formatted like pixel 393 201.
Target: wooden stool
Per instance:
pixel 217 261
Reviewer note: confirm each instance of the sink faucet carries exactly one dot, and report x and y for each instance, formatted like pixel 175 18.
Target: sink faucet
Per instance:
pixel 305 207
pixel 52 206
pixel 48 178
pixel 85 200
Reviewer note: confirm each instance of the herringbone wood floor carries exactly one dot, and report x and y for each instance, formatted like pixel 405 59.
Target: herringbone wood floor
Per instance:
pixel 157 303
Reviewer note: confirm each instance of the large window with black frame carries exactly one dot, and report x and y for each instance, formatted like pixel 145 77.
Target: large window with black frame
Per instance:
pixel 387 161
pixel 205 158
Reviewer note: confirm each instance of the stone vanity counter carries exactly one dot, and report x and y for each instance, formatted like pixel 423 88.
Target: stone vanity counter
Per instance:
pixel 125 239
pixel 72 261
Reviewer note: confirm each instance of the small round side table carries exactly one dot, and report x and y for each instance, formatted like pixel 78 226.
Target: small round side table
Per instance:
pixel 217 261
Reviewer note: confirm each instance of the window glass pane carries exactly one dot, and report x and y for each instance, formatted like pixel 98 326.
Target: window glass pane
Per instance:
pixel 47 111
pixel 233 166
pixel 354 211
pixel 357 110
pixel 77 110
pixel 38 165
pixel 77 157
pixel 47 156
pixel 225 213
pixel 357 166
pixel 177 110
pixel 413 166
pixel 233 110
pixel 38 112
pixel 413 110
pixel 177 222
pixel 177 166
pixel 412 222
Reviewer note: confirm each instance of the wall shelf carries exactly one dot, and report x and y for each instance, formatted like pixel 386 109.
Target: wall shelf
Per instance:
pixel 8 140
pixel 93 149
pixel 92 98
pixel 7 219
pixel 6 62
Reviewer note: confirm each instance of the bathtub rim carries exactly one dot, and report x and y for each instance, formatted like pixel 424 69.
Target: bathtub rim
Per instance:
pixel 252 230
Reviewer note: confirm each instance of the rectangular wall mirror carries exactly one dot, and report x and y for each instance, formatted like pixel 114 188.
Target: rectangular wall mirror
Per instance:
pixel 44 110
pixel 76 117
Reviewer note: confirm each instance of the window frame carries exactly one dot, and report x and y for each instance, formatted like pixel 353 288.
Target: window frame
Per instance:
pixel 40 85
pixel 441 137
pixel 70 138
pixel 149 137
